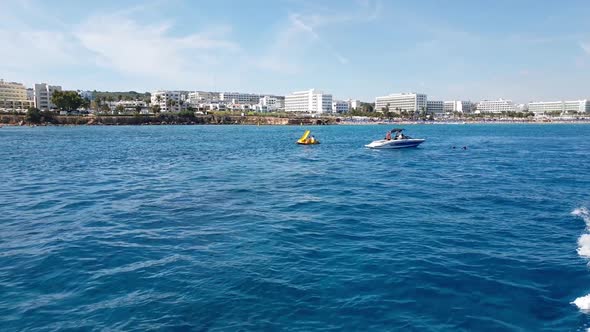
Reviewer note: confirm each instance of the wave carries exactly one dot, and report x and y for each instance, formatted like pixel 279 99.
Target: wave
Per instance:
pixel 583 302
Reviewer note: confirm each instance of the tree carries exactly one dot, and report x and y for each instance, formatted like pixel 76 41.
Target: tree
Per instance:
pixel 138 109
pixel 33 115
pixel 120 109
pixel 67 100
pixel 170 103
pixel 86 103
pixel 156 108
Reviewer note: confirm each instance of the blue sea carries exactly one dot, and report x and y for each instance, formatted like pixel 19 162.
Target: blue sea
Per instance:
pixel 237 228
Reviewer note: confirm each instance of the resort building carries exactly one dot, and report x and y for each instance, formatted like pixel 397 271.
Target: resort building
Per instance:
pixel 435 106
pixel 13 96
pixel 271 104
pixel 239 98
pixel 459 106
pixel 43 94
pixel 310 101
pixel 571 106
pixel 401 102
pixel 169 101
pixel 495 106
pixel 202 97
pixel 354 104
pixel 340 106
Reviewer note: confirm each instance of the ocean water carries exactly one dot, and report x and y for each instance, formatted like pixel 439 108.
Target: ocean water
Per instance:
pixel 236 228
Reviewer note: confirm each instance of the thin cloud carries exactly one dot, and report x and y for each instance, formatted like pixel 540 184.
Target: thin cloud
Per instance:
pixel 123 44
pixel 295 39
pixel 585 47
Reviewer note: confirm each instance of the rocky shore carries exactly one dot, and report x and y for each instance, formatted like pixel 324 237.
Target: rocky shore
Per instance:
pixel 166 119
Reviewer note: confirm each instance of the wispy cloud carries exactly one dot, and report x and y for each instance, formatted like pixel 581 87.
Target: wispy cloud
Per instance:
pixel 302 35
pixel 128 46
pixel 585 47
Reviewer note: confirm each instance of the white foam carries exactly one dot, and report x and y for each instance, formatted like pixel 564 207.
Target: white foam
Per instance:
pixel 583 303
pixel 583 213
pixel 584 246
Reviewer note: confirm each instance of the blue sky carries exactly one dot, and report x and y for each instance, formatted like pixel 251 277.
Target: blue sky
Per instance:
pixel 520 49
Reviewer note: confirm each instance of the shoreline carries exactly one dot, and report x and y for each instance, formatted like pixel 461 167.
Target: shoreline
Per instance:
pixel 173 119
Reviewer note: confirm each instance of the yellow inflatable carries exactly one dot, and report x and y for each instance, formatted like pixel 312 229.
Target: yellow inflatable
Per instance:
pixel 306 140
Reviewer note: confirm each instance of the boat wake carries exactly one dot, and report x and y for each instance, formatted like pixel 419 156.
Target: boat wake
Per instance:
pixel 583 303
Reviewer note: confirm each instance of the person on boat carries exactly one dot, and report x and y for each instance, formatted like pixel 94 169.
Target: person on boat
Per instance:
pixel 388 136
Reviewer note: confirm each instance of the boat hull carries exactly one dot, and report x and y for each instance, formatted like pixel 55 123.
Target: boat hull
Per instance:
pixel 395 144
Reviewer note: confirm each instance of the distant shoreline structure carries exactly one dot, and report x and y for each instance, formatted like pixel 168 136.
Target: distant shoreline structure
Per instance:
pixel 259 120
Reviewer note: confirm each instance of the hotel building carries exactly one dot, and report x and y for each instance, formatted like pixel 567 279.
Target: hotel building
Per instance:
pixel 13 96
pixel 202 97
pixel 460 106
pixel 310 101
pixel 169 101
pixel 43 94
pixel 401 101
pixel 495 106
pixel 435 106
pixel 354 104
pixel 340 106
pixel 239 98
pixel 271 103
pixel 542 107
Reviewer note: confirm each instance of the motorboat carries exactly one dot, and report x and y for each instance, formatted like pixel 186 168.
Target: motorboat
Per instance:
pixel 398 141
pixel 306 139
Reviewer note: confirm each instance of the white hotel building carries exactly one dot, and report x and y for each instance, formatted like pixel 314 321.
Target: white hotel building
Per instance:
pixel 401 101
pixel 43 93
pixel 354 103
pixel 239 98
pixel 340 106
pixel 310 101
pixel 169 101
pixel 495 106
pixel 460 106
pixel 542 107
pixel 435 106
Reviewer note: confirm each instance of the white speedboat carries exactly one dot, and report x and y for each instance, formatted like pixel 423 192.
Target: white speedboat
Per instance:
pixel 399 141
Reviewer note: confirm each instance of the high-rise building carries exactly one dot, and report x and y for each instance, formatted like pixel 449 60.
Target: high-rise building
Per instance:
pixel 495 106
pixel 435 106
pixel 310 101
pixel 542 107
pixel 43 94
pixel 401 102
pixel 169 101
pixel 13 96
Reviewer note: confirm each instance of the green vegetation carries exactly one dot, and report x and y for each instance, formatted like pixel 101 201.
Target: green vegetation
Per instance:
pixel 34 115
pixel 68 100
pixel 186 114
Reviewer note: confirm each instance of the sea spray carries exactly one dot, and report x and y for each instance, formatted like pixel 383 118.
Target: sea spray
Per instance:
pixel 583 303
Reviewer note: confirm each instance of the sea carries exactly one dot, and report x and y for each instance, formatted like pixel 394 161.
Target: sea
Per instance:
pixel 237 228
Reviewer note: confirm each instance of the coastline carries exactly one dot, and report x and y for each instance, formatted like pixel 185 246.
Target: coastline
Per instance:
pixel 259 120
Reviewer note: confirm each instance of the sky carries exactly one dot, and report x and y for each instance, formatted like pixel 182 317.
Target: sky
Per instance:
pixel 524 50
